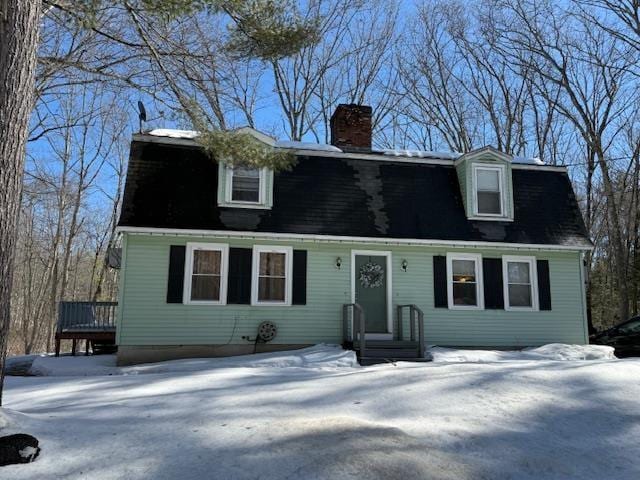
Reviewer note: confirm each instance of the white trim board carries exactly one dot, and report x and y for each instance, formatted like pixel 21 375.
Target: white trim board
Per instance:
pixel 348 239
pixel 479 276
pixel 481 152
pixel 533 282
pixel 228 190
pixel 255 274
pixel 389 273
pixel 502 184
pixel 188 272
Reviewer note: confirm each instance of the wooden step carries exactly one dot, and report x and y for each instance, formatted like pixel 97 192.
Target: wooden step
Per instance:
pixel 391 352
pixel 390 344
pixel 364 361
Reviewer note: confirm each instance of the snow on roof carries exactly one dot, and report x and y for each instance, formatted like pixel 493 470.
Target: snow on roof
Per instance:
pixel 172 133
pixel 323 147
pixel 527 160
pixel 191 134
pixel 420 154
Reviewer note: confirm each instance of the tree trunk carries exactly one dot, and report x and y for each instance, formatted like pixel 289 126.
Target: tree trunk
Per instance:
pixel 19 26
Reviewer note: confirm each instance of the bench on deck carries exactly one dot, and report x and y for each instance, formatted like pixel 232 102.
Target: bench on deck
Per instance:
pixel 94 322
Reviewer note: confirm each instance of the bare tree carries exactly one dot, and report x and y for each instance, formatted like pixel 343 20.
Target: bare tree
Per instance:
pixel 434 96
pixel 344 66
pixel 61 190
pixel 591 68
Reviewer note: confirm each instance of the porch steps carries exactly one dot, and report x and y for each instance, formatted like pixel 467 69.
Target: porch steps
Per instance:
pixel 381 351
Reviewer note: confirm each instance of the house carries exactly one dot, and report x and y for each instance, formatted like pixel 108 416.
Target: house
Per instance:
pixel 478 249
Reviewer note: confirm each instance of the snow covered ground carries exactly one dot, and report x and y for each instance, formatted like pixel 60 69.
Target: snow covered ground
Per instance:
pixel 552 351
pixel 325 356
pixel 315 415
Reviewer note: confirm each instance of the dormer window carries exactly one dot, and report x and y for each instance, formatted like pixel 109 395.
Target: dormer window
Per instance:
pixel 242 186
pixel 489 192
pixel 245 184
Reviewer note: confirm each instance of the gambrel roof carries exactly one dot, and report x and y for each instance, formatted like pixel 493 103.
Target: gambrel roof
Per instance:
pixel 173 185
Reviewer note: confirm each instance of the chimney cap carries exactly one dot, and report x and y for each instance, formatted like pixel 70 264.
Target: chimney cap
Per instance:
pixel 351 107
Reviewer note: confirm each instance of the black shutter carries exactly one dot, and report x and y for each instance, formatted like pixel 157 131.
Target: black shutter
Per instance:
pixel 440 281
pixel 299 294
pixel 175 283
pixel 493 288
pixel 239 282
pixel 544 285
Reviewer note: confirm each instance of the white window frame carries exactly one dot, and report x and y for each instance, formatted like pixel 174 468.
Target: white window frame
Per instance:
pixel 188 272
pixel 288 265
pixel 501 183
pixel 477 258
pixel 228 191
pixel 533 276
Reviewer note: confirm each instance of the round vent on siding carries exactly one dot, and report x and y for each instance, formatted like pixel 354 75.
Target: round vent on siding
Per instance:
pixel 267 331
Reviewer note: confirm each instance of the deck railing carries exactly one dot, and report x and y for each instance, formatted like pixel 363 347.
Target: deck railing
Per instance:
pixel 416 322
pixel 353 325
pixel 87 316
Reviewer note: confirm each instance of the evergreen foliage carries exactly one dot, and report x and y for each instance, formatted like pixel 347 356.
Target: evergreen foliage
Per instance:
pixel 240 148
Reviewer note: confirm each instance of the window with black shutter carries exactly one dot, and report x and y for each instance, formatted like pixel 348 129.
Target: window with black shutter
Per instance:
pixel 544 285
pixel 299 295
pixel 493 287
pixel 175 281
pixel 440 281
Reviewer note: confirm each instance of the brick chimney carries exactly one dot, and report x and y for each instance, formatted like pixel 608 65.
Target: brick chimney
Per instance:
pixel 351 128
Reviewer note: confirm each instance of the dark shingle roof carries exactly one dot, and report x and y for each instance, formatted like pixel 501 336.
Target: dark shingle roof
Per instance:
pixel 176 187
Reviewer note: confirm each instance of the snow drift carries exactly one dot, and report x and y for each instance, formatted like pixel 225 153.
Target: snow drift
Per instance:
pixel 318 356
pixel 552 351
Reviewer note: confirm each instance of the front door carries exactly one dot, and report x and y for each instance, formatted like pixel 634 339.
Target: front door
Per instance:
pixel 371 291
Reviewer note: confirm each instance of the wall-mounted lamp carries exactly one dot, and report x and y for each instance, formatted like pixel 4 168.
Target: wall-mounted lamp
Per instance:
pixel 338 263
pixel 404 264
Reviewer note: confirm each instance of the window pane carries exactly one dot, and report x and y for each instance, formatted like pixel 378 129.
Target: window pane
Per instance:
pixel 245 189
pixel 520 295
pixel 488 180
pixel 246 172
pixel 205 287
pixel 518 272
pixel 489 202
pixel 272 264
pixel 464 294
pixel 206 261
pixel 464 270
pixel 271 289
pixel 631 327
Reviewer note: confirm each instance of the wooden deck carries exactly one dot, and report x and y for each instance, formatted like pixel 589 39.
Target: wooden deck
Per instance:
pixel 93 322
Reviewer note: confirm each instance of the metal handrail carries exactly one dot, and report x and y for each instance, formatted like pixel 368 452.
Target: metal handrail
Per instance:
pixel 416 315
pixel 357 326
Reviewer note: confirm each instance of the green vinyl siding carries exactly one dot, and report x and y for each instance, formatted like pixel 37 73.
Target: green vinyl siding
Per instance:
pixel 146 319
pixel 461 170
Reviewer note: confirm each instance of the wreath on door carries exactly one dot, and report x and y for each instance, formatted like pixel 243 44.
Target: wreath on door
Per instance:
pixel 371 275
